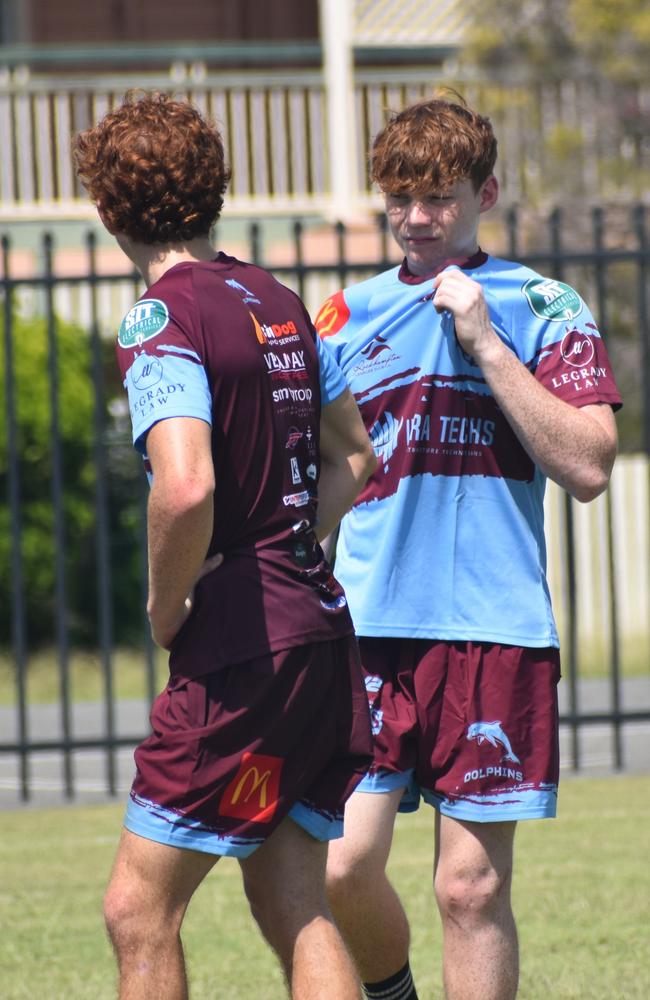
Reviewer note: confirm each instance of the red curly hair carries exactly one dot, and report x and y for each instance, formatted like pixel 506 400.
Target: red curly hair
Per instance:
pixel 432 144
pixel 155 168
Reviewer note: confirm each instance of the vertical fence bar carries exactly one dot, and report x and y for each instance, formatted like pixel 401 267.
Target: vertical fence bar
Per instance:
pixel 644 319
pixel 58 501
pixel 254 242
pixel 299 257
pixel 102 530
pixel 638 218
pixel 149 645
pixel 382 226
pixel 599 270
pixel 614 647
pixel 571 639
pixel 18 617
pixel 342 261
pixel 512 230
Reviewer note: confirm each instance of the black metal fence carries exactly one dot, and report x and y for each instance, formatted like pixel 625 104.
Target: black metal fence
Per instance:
pixel 605 255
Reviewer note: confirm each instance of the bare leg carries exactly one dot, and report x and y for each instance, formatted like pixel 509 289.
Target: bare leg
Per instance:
pixel 367 909
pixel 473 876
pixel 150 888
pixel 285 885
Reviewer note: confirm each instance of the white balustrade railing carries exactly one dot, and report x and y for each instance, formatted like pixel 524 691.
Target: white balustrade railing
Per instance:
pixel 276 133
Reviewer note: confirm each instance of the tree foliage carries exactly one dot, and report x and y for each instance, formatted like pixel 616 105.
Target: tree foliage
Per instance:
pixel 552 38
pixel 34 448
pixel 584 68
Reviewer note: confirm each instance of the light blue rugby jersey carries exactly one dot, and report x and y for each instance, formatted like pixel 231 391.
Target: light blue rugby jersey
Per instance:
pixel 447 540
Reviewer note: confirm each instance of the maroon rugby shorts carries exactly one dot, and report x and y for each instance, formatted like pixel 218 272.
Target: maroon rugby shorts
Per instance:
pixel 470 727
pixel 234 752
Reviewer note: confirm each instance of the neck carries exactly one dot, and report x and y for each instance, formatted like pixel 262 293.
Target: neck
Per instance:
pixel 152 260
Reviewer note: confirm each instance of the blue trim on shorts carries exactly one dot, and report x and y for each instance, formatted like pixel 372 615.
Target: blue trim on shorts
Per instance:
pixel 507 805
pixel 321 826
pixel 155 822
pixel 165 826
pixel 382 781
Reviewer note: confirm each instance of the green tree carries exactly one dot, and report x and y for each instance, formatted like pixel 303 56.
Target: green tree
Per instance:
pixel 34 446
pixel 587 139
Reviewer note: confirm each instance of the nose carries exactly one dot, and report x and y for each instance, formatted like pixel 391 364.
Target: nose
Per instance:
pixel 419 214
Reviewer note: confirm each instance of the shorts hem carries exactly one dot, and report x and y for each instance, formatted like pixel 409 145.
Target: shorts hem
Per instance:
pixel 317 824
pixel 495 815
pixel 154 822
pixel 493 812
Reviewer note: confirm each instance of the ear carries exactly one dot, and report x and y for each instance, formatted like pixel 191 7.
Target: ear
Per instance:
pixel 489 193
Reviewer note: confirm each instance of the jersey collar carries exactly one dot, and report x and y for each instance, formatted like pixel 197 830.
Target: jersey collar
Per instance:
pixel 467 263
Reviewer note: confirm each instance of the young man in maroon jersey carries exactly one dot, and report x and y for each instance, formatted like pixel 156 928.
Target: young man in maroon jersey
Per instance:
pixel 255 449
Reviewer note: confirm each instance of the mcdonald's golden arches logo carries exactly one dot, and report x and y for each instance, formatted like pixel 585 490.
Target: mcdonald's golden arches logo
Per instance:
pixel 332 316
pixel 254 792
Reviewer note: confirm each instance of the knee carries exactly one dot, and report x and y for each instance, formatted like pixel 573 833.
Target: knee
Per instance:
pixel 131 922
pixel 121 914
pixel 348 876
pixel 471 895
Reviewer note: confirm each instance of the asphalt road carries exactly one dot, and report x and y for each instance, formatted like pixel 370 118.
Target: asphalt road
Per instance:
pixel 91 769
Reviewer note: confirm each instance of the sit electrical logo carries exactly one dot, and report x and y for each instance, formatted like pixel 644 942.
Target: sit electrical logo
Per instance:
pixel 145 320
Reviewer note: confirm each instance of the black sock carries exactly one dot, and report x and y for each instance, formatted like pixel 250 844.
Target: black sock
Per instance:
pixel 400 986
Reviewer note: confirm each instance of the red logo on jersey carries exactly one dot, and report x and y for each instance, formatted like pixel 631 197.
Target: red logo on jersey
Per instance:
pixel 333 315
pixel 255 790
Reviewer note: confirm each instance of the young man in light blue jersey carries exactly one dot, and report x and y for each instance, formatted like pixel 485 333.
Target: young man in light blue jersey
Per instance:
pixel 477 379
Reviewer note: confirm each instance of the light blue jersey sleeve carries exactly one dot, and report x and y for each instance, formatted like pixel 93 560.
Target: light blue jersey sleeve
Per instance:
pixel 162 369
pixel 332 379
pixel 164 385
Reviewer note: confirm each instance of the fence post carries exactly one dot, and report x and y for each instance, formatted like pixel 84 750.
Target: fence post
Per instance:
pixel 102 533
pixel 60 586
pixel 571 640
pixel 18 619
pixel 336 34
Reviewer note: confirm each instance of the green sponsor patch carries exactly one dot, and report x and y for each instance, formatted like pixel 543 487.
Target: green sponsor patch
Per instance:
pixel 146 320
pixel 550 299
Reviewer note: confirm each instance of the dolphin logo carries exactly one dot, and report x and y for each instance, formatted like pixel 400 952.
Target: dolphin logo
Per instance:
pixel 493 733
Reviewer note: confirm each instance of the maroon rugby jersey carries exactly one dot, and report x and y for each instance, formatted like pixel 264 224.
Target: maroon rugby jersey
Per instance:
pixel 225 342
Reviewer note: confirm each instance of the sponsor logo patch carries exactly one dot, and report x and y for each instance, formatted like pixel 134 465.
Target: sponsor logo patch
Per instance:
pixel 552 300
pixel 384 435
pixel 147 319
pixel 246 295
pixel 577 348
pixel 494 734
pixel 296 499
pixel 332 316
pixel 295 471
pixel 254 792
pixel 293 437
pixel 146 371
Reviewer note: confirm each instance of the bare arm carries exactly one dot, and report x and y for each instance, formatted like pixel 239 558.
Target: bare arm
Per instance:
pixel 347 461
pixel 575 447
pixel 180 519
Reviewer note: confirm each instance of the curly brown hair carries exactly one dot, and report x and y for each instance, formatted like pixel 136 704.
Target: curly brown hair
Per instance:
pixel 155 168
pixel 432 144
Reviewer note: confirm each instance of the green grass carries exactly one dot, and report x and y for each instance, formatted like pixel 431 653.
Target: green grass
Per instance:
pixel 86 676
pixel 582 898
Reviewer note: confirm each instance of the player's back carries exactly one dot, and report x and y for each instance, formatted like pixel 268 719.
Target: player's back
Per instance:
pixel 229 344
